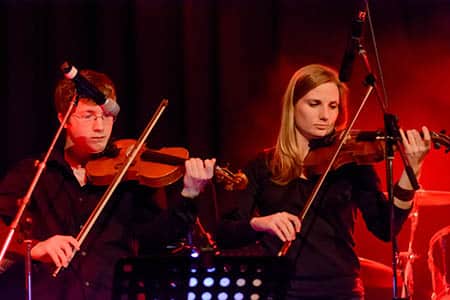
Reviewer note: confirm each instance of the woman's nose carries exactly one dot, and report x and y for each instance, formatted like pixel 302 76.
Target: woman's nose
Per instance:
pixel 324 113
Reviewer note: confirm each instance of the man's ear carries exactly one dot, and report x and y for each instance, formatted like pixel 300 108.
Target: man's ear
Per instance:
pixel 60 118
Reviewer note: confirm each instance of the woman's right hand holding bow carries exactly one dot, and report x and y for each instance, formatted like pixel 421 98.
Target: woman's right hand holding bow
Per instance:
pixel 282 224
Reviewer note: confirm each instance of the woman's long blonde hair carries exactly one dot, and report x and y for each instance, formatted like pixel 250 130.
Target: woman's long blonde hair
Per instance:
pixel 286 164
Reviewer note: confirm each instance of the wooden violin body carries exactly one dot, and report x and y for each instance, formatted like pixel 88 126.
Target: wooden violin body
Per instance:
pixel 154 168
pixel 353 151
pixel 154 174
pixel 361 147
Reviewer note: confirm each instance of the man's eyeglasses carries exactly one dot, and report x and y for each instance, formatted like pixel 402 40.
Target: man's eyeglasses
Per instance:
pixel 91 117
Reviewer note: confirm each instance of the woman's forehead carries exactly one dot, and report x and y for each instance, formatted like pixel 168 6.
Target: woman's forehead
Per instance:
pixel 326 92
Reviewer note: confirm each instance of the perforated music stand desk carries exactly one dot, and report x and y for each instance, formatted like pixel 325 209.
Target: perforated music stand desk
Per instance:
pixel 206 277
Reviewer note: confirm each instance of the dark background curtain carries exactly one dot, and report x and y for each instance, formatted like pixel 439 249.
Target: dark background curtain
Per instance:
pixel 223 65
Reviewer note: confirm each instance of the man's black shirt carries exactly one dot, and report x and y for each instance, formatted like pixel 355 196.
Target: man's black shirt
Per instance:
pixel 60 206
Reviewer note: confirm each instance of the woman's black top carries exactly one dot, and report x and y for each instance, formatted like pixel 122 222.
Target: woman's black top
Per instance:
pixel 322 257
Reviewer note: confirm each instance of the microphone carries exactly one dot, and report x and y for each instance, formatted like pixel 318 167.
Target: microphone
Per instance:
pixel 109 106
pixel 353 44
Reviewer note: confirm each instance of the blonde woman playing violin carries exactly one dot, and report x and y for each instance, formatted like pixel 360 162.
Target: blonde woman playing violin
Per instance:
pixel 322 256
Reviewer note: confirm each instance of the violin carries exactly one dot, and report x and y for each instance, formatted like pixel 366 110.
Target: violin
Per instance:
pixel 361 147
pixel 154 168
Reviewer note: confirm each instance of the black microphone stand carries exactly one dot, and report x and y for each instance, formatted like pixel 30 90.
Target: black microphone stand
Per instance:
pixel 26 199
pixel 28 266
pixel 187 244
pixel 392 141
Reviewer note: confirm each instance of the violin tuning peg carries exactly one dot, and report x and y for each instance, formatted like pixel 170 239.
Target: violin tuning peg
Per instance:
pixel 228 187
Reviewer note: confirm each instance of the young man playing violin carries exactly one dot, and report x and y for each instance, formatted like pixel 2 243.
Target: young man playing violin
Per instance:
pixel 322 256
pixel 64 198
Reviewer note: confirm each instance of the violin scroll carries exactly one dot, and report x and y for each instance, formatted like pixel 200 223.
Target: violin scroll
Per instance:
pixel 232 181
pixel 440 139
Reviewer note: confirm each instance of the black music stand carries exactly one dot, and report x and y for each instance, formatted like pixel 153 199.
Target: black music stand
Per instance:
pixel 206 277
